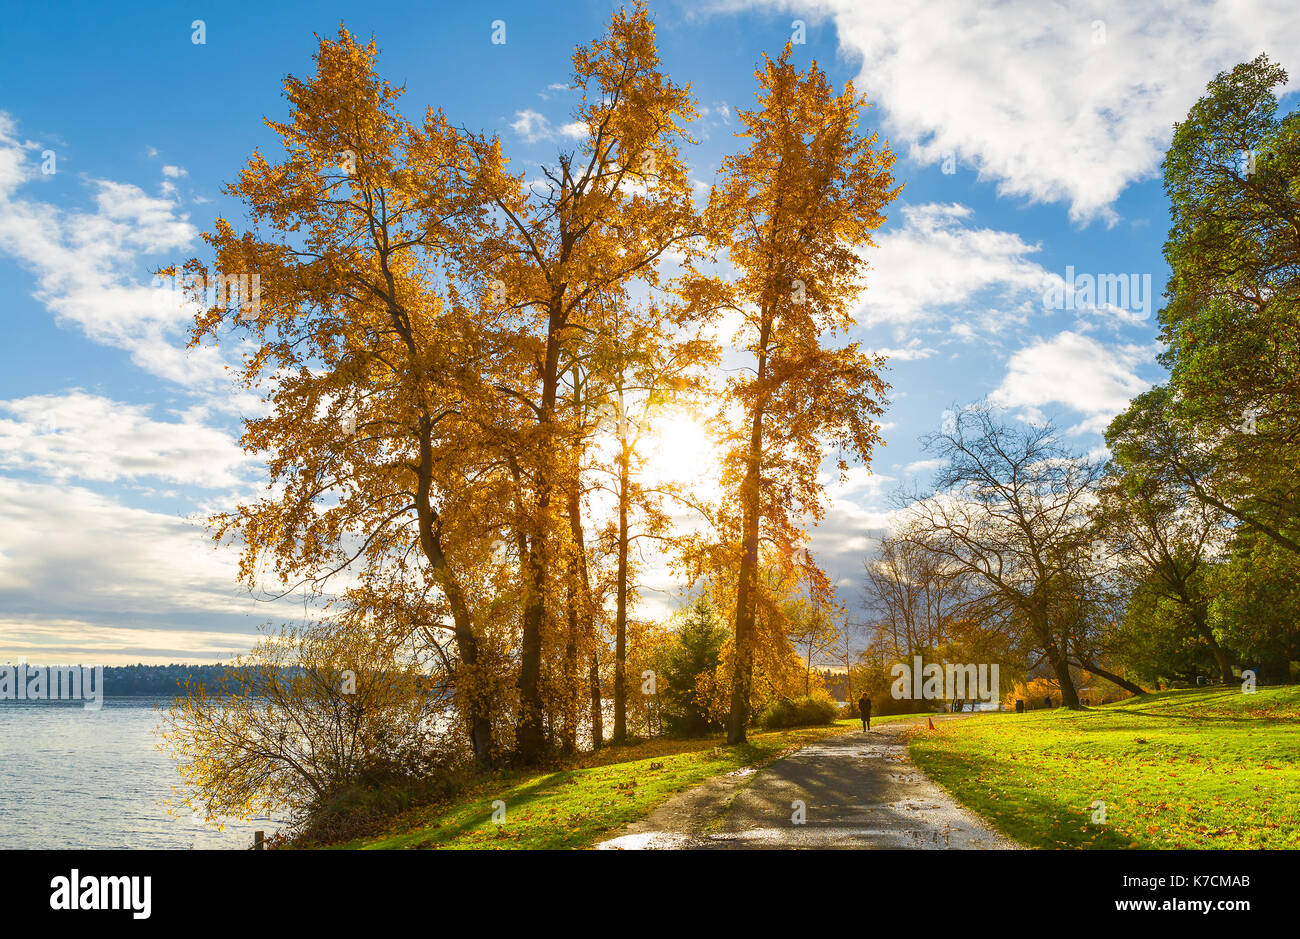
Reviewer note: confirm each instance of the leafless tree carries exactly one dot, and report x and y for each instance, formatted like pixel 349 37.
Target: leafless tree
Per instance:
pixel 1010 508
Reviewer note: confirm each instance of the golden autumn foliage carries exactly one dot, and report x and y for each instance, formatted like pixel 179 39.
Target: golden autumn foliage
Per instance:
pixel 461 369
pixel 793 211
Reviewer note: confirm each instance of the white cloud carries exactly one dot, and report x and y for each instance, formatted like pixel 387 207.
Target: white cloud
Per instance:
pixel 1023 92
pixel 859 482
pixel 88 437
pixel 12 165
pixel 908 353
pixel 1078 372
pixel 531 125
pixel 936 265
pixel 57 640
pixel 66 548
pixel 922 466
pixel 175 172
pixel 535 127
pixel 86 264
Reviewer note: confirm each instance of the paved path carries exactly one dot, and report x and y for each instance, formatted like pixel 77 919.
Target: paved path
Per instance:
pixel 860 790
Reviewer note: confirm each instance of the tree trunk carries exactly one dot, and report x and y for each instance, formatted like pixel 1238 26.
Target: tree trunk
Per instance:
pixel 620 613
pixel 585 624
pixel 473 697
pixel 1089 666
pixel 1069 696
pixel 570 690
pixel 529 738
pixel 1220 657
pixel 597 718
pixel 743 666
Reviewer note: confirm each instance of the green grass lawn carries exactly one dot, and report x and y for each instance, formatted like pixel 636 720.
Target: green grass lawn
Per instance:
pixel 577 805
pixel 1198 768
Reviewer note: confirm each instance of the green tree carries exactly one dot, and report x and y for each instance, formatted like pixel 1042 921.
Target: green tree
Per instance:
pixel 1155 640
pixel 1161 539
pixel 1256 605
pixel 1232 324
pixel 686 663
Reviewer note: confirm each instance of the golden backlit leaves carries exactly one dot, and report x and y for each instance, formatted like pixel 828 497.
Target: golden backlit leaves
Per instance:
pixel 438 337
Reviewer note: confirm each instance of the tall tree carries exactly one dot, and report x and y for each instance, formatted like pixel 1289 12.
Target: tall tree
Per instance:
pixel 606 216
pixel 794 211
pixel 650 364
pixel 373 379
pixel 1232 324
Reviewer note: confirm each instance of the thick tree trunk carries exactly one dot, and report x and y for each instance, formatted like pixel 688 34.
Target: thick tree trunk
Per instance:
pixel 742 665
pixel 530 740
pixel 1216 650
pixel 1069 695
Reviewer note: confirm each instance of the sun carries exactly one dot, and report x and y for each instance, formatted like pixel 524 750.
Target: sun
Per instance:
pixel 680 449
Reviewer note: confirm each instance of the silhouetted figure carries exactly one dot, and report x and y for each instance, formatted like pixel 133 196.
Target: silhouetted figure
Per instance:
pixel 864 711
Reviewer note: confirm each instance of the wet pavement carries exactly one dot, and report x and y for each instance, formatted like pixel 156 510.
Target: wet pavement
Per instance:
pixel 860 790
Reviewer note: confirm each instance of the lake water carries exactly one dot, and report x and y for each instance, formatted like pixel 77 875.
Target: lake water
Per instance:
pixel 72 778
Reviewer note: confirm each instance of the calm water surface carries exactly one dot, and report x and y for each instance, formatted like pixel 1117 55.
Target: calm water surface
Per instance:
pixel 72 778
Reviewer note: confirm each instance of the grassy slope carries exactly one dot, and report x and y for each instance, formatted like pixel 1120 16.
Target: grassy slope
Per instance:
pixel 575 806
pixel 1199 768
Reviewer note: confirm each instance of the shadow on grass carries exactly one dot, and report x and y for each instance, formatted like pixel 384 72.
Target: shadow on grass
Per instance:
pixel 516 798
pixel 1173 708
pixel 1025 816
pixel 567 829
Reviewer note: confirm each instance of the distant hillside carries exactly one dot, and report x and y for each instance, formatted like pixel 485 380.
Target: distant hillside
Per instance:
pixel 162 679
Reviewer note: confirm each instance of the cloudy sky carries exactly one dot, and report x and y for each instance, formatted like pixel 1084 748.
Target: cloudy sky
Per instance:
pixel 1029 137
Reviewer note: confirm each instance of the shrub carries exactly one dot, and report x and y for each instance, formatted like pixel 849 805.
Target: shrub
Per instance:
pixel 330 726
pixel 364 806
pixel 798 712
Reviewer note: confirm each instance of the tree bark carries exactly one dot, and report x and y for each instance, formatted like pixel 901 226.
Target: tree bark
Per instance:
pixel 1089 666
pixel 472 697
pixel 571 690
pixel 530 741
pixel 620 613
pixel 1060 665
pixel 583 622
pixel 597 717
pixel 1216 650
pixel 742 667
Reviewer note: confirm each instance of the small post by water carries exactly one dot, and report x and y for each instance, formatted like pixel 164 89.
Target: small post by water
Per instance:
pixel 259 838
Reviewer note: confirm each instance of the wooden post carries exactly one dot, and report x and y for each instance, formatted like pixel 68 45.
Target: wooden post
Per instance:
pixel 259 839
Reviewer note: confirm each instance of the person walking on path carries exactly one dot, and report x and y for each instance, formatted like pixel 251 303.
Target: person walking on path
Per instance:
pixel 864 711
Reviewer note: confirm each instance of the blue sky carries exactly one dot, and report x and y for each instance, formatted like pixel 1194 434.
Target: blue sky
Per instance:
pixel 1028 138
